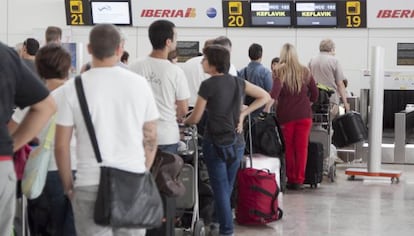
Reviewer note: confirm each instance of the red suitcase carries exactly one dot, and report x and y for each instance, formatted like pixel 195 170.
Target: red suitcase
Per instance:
pixel 257 196
pixel 257 201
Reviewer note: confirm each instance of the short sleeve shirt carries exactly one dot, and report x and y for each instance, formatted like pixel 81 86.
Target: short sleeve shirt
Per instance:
pixel 120 102
pixel 169 84
pixel 326 70
pixel 223 105
pixel 18 87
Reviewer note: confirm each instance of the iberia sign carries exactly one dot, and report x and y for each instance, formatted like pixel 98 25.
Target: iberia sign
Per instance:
pixel 183 13
pixel 390 14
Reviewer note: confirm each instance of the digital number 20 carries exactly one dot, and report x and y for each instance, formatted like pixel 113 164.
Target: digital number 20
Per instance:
pixel 77 19
pixel 236 21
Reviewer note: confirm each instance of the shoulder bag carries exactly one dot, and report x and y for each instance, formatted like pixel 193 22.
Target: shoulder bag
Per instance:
pixel 125 199
pixel 36 168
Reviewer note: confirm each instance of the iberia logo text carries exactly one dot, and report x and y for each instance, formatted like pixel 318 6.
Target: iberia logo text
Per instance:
pixel 169 13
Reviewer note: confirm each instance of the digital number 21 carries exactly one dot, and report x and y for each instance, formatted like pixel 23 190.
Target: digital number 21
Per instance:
pixel 77 19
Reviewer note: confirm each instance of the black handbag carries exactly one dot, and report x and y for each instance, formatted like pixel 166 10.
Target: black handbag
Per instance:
pixel 125 199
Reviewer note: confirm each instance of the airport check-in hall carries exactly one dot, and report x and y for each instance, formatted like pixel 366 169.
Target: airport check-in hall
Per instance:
pixel 337 159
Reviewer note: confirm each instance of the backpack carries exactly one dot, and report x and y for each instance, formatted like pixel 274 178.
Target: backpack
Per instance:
pixel 267 136
pixel 166 169
pixel 322 104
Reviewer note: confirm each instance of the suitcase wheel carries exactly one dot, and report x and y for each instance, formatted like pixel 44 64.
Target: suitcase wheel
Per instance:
pixel 332 173
pixel 199 229
pixel 314 185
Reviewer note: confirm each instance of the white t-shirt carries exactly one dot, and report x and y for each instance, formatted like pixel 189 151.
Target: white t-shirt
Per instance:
pixel 195 75
pixel 169 84
pixel 119 102
pixel 232 70
pixel 18 117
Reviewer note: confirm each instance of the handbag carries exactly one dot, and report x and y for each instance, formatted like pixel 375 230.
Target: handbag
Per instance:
pixel 124 199
pixel 36 168
pixel 166 170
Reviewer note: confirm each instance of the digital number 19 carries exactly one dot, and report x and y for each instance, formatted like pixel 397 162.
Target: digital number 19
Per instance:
pixel 353 21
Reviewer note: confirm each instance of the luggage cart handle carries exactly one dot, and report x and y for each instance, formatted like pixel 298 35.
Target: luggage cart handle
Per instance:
pixel 250 140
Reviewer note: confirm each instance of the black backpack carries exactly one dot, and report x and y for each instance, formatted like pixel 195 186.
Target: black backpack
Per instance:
pixel 267 136
pixel 322 104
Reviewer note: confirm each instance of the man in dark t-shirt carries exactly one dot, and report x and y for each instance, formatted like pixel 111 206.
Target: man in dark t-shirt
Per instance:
pixel 18 86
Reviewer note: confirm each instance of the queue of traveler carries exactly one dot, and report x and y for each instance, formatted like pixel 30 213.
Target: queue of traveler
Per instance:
pixel 136 110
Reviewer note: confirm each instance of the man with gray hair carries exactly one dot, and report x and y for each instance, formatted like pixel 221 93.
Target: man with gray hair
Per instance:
pixel 327 71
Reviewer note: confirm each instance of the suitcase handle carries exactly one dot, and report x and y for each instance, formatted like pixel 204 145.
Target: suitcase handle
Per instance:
pixel 250 140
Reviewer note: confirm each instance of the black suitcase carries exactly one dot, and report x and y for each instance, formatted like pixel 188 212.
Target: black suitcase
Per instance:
pixel 348 129
pixel 314 164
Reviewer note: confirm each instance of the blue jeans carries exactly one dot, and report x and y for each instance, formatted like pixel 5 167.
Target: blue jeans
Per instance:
pixel 61 213
pixel 173 148
pixel 222 171
pixel 51 213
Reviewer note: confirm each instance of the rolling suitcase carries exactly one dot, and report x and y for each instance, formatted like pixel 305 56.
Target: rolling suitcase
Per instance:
pixel 257 193
pixel 257 201
pixel 348 129
pixel 255 143
pixel 261 162
pixel 314 164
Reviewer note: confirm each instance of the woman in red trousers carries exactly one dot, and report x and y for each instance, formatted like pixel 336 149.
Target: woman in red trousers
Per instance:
pixel 294 90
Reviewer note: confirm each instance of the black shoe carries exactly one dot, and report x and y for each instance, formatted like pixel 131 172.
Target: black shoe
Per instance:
pixel 294 186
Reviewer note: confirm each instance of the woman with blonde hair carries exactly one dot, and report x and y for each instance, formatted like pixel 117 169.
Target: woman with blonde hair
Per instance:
pixel 294 89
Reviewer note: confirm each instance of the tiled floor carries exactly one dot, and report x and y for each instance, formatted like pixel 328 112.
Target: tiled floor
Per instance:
pixel 372 206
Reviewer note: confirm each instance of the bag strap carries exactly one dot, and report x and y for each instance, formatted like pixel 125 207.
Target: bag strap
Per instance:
pixel 47 143
pixel 251 73
pixel 87 117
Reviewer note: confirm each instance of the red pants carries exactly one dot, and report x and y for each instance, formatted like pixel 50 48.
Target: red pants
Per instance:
pixel 296 134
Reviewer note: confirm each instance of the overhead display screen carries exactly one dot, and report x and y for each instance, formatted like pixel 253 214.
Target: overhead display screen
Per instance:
pixel 78 12
pixel 352 14
pixel 111 12
pixel 271 14
pixel 236 13
pixel 316 14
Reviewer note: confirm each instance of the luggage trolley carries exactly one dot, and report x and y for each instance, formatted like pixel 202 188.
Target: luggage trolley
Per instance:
pixel 321 132
pixel 189 203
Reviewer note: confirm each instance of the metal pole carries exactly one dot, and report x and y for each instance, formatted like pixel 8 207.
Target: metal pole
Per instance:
pixel 376 109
